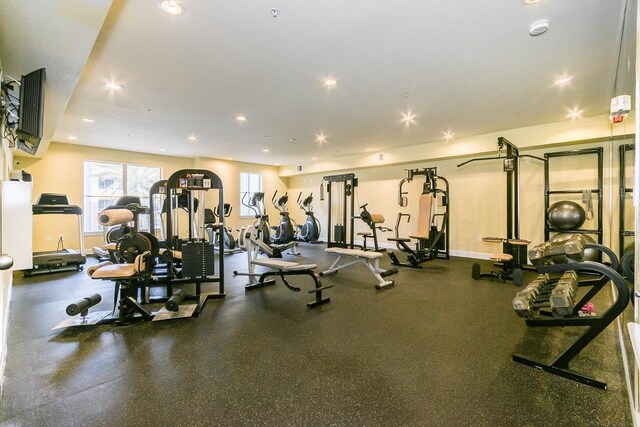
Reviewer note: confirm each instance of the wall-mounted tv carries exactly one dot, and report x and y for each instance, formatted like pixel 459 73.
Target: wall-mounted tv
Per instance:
pixel 31 111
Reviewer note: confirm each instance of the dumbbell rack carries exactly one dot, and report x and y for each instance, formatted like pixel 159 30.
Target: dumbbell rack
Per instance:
pixel 595 324
pixel 597 191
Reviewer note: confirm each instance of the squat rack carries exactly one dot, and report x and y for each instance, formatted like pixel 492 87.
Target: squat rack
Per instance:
pixel 548 191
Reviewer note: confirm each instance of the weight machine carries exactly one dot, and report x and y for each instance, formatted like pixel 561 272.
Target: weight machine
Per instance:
pixel 343 186
pixel 432 236
pixel 147 262
pixel 514 249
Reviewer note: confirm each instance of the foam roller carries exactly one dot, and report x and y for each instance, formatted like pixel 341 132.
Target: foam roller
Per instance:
pixel 175 300
pixel 83 304
pixel 115 217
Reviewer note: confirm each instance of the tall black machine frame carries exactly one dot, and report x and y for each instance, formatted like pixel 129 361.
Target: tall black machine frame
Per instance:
pixel 624 233
pixel 511 166
pixel 343 233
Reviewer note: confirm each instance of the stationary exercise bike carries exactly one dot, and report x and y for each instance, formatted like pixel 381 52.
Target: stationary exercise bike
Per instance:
pixel 283 232
pixel 309 231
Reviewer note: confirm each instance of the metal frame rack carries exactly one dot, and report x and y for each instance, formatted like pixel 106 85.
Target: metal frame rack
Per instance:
pixel 348 182
pixel 623 196
pixel 548 191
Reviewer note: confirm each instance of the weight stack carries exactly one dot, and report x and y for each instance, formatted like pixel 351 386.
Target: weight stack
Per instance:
pixel 519 252
pixel 197 260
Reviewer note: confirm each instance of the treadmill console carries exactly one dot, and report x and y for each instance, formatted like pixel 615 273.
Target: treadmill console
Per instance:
pixel 52 199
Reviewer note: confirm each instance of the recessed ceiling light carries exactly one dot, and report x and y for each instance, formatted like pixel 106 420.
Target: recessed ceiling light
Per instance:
pixel 171 6
pixel 241 118
pixel 574 113
pixel 113 86
pixel 274 12
pixel 529 2
pixel 71 138
pixel 162 149
pixel 193 137
pixel 408 118
pixel 293 139
pixel 265 150
pixel 87 120
pixel 448 135
pixel 539 27
pixel 330 82
pixel 321 138
pixel 563 80
pixel 314 158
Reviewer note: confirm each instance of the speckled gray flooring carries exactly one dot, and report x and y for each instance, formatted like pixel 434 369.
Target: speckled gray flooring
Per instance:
pixel 434 350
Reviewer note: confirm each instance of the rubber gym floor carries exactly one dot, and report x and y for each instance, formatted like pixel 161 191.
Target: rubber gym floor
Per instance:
pixel 433 350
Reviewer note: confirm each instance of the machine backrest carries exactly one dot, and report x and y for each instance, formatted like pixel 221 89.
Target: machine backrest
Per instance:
pixel 424 213
pixel 209 217
pixel 377 218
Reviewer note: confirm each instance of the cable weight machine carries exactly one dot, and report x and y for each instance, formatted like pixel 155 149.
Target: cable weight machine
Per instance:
pixel 341 188
pixel 432 236
pixel 514 248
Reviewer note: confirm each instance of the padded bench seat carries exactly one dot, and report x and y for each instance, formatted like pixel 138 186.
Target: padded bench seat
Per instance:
pixel 355 252
pixel 282 265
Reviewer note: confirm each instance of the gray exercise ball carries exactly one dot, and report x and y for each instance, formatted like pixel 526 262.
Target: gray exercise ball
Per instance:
pixel 589 254
pixel 566 215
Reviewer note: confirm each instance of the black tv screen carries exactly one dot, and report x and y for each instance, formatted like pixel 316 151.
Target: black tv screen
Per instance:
pixel 31 111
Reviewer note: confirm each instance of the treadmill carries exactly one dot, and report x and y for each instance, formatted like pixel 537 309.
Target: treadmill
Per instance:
pixel 64 259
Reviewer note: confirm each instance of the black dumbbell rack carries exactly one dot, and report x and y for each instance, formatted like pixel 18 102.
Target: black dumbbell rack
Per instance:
pixel 548 191
pixel 595 324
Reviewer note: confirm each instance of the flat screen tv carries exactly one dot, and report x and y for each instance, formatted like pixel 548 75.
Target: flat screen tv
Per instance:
pixel 31 111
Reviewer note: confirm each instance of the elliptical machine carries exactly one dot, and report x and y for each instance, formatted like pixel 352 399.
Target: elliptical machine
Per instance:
pixel 283 232
pixel 257 235
pixel 210 224
pixel 309 231
pixel 260 226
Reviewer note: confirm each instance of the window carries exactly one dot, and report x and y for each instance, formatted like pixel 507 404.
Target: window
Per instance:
pixel 105 183
pixel 249 184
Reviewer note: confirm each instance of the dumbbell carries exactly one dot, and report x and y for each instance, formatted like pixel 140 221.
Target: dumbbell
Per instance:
pixel 563 295
pixel 532 297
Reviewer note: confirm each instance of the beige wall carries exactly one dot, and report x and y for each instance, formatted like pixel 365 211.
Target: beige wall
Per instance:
pixel 478 192
pixel 61 170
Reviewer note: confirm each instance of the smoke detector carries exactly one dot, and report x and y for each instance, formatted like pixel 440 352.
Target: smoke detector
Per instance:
pixel 539 27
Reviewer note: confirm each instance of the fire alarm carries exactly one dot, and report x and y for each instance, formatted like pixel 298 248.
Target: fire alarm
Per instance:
pixel 620 108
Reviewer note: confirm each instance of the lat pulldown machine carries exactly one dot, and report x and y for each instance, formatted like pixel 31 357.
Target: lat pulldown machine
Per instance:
pixel 514 248
pixel 432 236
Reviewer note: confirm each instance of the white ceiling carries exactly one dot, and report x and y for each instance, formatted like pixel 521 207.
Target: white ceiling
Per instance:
pixel 466 66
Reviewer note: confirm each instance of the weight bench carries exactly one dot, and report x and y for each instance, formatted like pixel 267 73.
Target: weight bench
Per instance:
pixel 285 268
pixel 370 259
